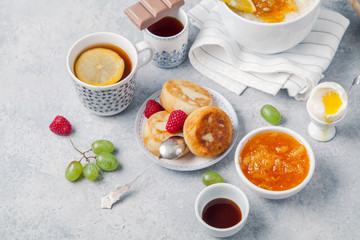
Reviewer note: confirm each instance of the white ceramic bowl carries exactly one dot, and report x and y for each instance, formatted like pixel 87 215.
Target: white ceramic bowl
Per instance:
pixel 267 193
pixel 268 37
pixel 222 190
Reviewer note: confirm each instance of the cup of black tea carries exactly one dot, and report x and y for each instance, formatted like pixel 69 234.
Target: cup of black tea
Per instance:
pixel 169 38
pixel 103 67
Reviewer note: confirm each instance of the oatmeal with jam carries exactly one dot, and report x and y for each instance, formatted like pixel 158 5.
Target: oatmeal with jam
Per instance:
pixel 274 11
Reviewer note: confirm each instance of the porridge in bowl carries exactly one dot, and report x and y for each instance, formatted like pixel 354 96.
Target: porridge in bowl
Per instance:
pixel 273 11
pixel 273 35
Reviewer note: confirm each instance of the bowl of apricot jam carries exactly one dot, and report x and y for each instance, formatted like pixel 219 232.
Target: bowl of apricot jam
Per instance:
pixel 274 162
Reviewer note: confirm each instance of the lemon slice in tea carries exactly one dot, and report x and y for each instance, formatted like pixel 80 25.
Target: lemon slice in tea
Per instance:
pixel 99 67
pixel 242 5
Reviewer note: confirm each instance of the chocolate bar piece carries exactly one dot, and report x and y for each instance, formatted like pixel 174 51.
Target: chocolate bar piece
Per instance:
pixel 147 12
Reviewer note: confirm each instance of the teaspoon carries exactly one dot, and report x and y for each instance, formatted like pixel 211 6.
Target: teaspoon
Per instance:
pixel 172 148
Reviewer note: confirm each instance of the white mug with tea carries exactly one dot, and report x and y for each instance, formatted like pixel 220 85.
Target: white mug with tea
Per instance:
pixel 169 38
pixel 108 87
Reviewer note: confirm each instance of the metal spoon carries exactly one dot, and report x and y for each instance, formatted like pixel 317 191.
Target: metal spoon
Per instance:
pixel 171 148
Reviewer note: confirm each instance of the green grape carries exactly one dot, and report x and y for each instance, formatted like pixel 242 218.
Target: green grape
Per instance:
pixel 211 178
pixel 100 146
pixel 106 161
pixel 270 114
pixel 90 171
pixel 73 171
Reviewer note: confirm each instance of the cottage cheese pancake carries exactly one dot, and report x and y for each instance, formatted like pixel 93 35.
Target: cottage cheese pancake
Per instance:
pixel 208 131
pixel 155 132
pixel 183 95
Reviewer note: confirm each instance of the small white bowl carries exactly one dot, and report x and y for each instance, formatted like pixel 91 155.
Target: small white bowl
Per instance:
pixel 222 190
pixel 268 37
pixel 268 193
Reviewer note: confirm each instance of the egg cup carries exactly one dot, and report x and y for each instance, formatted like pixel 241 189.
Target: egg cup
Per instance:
pixel 322 131
pixel 319 129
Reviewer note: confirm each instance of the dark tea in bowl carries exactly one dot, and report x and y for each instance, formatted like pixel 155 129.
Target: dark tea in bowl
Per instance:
pixel 222 209
pixel 221 213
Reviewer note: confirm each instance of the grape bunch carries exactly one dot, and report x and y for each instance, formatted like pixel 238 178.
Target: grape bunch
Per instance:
pixel 104 160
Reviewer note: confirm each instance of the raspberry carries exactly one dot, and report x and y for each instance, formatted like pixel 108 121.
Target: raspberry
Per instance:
pixel 152 107
pixel 60 125
pixel 176 121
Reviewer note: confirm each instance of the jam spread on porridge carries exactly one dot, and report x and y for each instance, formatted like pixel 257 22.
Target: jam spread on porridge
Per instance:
pixel 273 11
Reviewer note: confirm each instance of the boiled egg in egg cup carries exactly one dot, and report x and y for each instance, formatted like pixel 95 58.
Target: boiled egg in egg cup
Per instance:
pixel 327 105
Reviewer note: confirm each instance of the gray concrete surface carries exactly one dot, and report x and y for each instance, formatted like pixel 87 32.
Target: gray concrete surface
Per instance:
pixel 37 202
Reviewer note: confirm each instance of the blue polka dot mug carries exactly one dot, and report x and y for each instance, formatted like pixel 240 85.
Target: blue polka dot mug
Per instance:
pixel 112 99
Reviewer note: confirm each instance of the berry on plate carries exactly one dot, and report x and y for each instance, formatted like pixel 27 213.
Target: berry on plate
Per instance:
pixel 60 125
pixel 176 121
pixel 152 107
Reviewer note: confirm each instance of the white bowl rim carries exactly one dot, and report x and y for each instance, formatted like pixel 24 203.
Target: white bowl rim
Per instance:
pixel 277 129
pixel 315 6
pixel 228 185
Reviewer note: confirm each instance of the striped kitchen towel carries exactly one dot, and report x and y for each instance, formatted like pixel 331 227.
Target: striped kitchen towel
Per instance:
pixel 298 69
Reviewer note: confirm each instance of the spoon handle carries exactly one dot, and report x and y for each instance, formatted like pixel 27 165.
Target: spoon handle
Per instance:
pixel 355 82
pixel 140 174
pixel 114 196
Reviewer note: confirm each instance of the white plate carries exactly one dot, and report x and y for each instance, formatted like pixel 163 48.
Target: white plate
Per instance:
pixel 189 162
